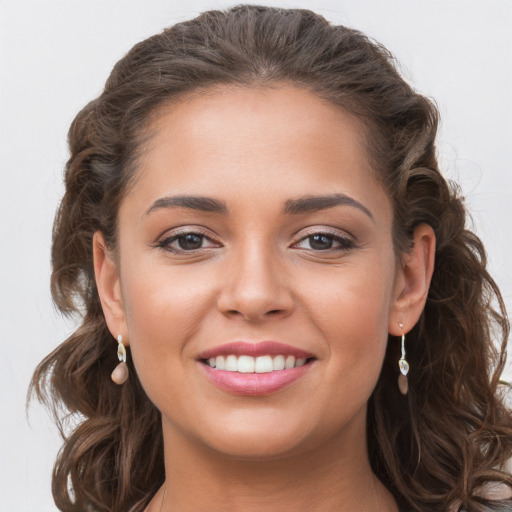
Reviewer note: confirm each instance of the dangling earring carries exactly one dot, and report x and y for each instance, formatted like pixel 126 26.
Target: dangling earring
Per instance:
pixel 403 384
pixel 120 373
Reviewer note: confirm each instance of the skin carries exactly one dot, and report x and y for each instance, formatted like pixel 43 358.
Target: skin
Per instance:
pixel 256 276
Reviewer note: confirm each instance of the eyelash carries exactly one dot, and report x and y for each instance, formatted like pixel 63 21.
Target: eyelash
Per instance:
pixel 166 242
pixel 345 243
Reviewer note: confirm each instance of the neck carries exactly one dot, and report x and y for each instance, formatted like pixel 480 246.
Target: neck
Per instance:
pixel 334 476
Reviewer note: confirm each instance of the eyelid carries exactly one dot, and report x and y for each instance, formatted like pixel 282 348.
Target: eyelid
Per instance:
pixel 323 230
pixel 186 230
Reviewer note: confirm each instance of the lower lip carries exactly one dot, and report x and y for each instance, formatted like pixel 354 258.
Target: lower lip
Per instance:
pixel 254 383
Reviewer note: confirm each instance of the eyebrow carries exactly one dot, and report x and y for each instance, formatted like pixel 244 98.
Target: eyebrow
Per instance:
pixel 291 207
pixel 315 203
pixel 203 204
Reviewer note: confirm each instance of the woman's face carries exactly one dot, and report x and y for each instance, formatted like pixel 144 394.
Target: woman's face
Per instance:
pixel 256 220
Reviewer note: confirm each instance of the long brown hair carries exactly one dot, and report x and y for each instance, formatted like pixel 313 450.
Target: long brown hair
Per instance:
pixel 438 446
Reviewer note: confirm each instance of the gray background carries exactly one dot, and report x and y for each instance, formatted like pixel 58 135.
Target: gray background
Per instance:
pixel 55 56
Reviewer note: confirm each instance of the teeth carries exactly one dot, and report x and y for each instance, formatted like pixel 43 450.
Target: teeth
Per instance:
pixel 261 364
pixel 290 362
pixel 231 364
pixel 278 363
pixel 245 364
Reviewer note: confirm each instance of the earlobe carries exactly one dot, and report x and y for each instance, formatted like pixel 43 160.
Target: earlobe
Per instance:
pixel 109 287
pixel 413 282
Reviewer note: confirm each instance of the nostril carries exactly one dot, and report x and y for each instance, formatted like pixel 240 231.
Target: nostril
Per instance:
pixel 272 312
pixel 233 312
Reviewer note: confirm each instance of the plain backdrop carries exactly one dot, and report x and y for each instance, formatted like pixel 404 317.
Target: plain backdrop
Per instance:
pixel 56 55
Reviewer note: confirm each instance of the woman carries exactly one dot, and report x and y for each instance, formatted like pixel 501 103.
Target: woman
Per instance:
pixel 256 230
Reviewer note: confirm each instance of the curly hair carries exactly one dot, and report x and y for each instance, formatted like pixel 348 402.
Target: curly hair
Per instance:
pixel 439 446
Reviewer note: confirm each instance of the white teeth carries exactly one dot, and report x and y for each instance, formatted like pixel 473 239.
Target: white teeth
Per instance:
pixel 278 363
pixel 246 364
pixel 260 364
pixel 263 364
pixel 231 364
pixel 290 362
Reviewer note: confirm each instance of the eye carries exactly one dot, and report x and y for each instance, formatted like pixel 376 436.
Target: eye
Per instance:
pixel 186 242
pixel 324 242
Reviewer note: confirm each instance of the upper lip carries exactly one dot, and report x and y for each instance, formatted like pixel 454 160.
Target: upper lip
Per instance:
pixel 262 348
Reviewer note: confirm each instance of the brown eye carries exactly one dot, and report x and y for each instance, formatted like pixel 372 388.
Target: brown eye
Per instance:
pixel 324 242
pixel 190 241
pixel 320 242
pixel 186 242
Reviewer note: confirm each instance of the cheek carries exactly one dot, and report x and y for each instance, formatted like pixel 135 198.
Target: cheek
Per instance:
pixel 352 314
pixel 157 296
pixel 162 314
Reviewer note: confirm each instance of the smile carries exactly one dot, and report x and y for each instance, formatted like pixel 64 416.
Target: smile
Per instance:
pixel 255 368
pixel 261 364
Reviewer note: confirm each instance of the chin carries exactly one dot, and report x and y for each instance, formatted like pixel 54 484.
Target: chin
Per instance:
pixel 265 440
pixel 260 448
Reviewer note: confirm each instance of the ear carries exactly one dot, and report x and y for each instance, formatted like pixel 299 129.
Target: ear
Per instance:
pixel 109 287
pixel 413 281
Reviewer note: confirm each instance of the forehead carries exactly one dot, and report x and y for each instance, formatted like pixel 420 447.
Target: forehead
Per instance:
pixel 271 116
pixel 253 140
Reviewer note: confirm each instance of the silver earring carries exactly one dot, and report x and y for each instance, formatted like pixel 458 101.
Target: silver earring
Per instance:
pixel 120 373
pixel 403 365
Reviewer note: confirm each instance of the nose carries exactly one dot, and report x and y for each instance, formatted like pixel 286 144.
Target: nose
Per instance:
pixel 255 287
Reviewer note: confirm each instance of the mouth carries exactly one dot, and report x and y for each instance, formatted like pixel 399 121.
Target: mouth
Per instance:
pixel 261 364
pixel 255 369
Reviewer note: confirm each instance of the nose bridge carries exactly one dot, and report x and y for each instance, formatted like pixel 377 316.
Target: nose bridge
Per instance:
pixel 255 285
